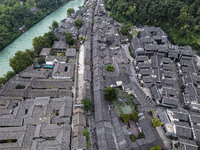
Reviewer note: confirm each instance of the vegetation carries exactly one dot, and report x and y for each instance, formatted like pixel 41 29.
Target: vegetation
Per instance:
pixel 2 81
pixel 125 117
pixel 83 39
pixel 87 135
pixel 132 54
pixel 141 135
pixel 157 147
pixel 133 137
pixel 41 60
pixel 54 25
pixel 156 122
pixel 19 86
pixel 110 94
pixel 110 68
pixel 179 18
pixel 134 116
pixel 126 29
pixel 78 23
pixel 16 18
pixel 9 75
pixel 87 103
pixel 57 113
pixel 69 38
pixel 70 11
pixel 46 40
pixel 21 60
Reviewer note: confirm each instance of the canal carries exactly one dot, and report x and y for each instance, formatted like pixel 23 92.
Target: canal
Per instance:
pixel 25 40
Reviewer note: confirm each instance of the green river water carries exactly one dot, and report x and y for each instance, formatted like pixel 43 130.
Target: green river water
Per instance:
pixel 25 40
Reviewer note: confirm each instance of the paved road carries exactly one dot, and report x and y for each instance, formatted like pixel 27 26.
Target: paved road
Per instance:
pixel 133 74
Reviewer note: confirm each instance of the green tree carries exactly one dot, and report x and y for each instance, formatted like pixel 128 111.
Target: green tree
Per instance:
pixel 133 137
pixel 70 11
pixel 134 116
pixel 78 23
pixel 157 147
pixel 157 122
pixel 41 60
pixel 110 68
pixel 87 103
pixel 54 25
pixel 2 81
pixel 20 61
pixel 69 38
pixel 9 75
pixel 126 29
pixel 125 117
pixel 141 135
pixel 110 94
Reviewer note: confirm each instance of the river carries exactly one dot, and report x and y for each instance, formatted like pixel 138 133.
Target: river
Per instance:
pixel 25 40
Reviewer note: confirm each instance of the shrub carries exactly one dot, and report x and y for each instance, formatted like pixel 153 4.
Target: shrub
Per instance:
pixel 110 68
pixel 19 86
pixel 87 135
pixel 133 137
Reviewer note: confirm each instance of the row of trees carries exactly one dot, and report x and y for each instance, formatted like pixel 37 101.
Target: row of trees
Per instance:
pixel 15 14
pixel 180 19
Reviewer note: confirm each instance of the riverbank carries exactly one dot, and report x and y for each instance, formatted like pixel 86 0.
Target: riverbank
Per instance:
pixel 48 12
pixel 24 41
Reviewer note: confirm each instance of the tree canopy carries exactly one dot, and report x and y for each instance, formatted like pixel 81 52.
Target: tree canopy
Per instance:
pixel 180 19
pixel 87 103
pixel 134 116
pixel 46 40
pixel 125 117
pixel 21 60
pixel 69 38
pixel 54 25
pixel 110 94
pixel 78 23
pixel 16 18
pixel 70 11
pixel 156 122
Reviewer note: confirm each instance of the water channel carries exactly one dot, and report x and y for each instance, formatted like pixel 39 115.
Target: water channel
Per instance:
pixel 25 40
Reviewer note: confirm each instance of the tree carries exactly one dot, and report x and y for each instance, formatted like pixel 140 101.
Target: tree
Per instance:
pixel 141 135
pixel 20 61
pixel 87 103
pixel 126 29
pixel 2 81
pixel 70 11
pixel 133 137
pixel 9 75
pixel 69 38
pixel 156 122
pixel 134 116
pixel 41 60
pixel 110 68
pixel 46 40
pixel 78 23
pixel 54 25
pixel 157 147
pixel 125 117
pixel 110 94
